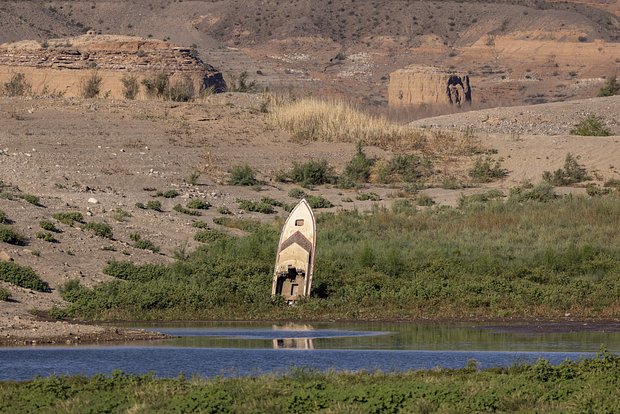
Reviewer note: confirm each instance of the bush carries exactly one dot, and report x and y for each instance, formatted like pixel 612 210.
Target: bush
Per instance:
pixel 297 193
pixel 368 196
pixel 168 194
pixel 91 86
pixel 486 170
pixel 200 225
pixel 69 217
pixel 256 206
pixel 572 173
pixel 157 86
pixel 242 175
pixel 47 236
pixel 210 235
pixel 407 168
pixel 182 90
pixel 22 276
pixel 17 85
pixel 313 172
pixel 48 225
pixel 241 84
pixel 5 295
pixel 32 199
pixel 198 204
pixel 131 87
pixel 424 201
pixel 542 193
pixel 4 219
pixel 140 243
pixel 480 198
pixel 611 88
pixel 224 210
pixel 591 126
pixel 594 190
pixel 10 236
pixel 318 202
pixel 181 209
pixel 357 170
pixel 100 229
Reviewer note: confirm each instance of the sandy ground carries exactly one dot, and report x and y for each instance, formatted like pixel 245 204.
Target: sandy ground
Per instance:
pixel 99 156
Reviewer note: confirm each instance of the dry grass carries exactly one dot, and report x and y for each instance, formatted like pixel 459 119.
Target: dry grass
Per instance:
pixel 333 121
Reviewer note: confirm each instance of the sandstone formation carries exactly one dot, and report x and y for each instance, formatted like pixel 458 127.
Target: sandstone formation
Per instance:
pixel 427 85
pixel 61 66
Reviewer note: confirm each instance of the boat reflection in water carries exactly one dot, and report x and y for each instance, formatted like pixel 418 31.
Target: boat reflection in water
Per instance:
pixel 299 342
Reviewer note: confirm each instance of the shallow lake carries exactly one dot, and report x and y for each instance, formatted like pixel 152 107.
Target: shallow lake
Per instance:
pixel 210 349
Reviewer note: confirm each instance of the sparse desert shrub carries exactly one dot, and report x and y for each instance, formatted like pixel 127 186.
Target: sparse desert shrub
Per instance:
pixel 168 194
pixel 22 276
pixel 5 295
pixel 46 236
pixel 241 84
pixel 237 223
pixel 480 198
pixel 485 170
pixel 256 206
pixel 542 193
pixel 572 173
pixel 424 201
pixel 210 235
pixel 131 87
pixel 120 215
pixel 157 85
pixel 591 126
pixel 297 193
pixel 32 199
pixel 193 178
pixel 10 236
pixel 594 190
pixel 407 168
pixel 313 172
pixel 611 88
pixel 224 210
pixel 182 90
pixel 48 225
pixel 612 182
pixel 316 201
pixel 242 175
pixel 100 229
pixel 368 196
pixel 69 217
pixel 198 204
pixel 91 86
pixel 144 244
pixel 4 219
pixel 179 208
pixel 17 85
pixel 200 225
pixel 357 170
pixel 452 183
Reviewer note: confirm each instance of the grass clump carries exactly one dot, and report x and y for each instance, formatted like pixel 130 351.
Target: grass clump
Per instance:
pixel 182 90
pixel 424 201
pixel 5 295
pixel 22 276
pixel 49 226
pixel 406 168
pixel 32 199
pixel 541 193
pixel 210 236
pixel 224 210
pixel 69 217
pixel 10 236
pixel 316 201
pixel 100 229
pixel 242 175
pixel 150 205
pixel 121 215
pixel 91 86
pixel 131 87
pixel 572 173
pixel 200 225
pixel 591 126
pixel 179 208
pixel 485 170
pixel 368 197
pixel 594 190
pixel 17 85
pixel 46 236
pixel 297 193
pixel 144 244
pixel 157 85
pixel 198 204
pixel 480 198
pixel 256 206
pixel 313 172
pixel 4 219
pixel 167 194
pixel 611 87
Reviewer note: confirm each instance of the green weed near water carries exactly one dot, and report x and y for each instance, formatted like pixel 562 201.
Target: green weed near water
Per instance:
pixel 571 387
pixel 499 259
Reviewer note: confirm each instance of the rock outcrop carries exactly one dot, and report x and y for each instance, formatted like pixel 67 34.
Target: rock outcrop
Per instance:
pixel 61 66
pixel 427 85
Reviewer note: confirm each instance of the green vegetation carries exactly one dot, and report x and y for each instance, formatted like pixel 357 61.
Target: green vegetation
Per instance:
pixel 157 85
pixel 168 194
pixel 100 229
pixel 69 217
pixel 480 198
pixel 190 212
pixel 591 126
pixel 144 244
pixel 256 206
pixel 120 215
pixel 150 205
pixel 240 83
pixel 542 193
pixel 4 219
pixel 22 276
pixel 46 236
pixel 368 196
pixel 242 175
pixel 17 85
pixel 572 173
pixel 500 259
pixel 357 170
pixel 224 210
pixel 10 236
pixel 424 201
pixel 297 193
pixel 32 199
pixel 485 170
pixel 589 385
pixel 611 88
pixel 49 226
pixel 5 295
pixel 182 90
pixel 196 203
pixel 316 201
pixel 406 168
pixel 91 86
pixel 200 225
pixel 131 87
pixel 313 172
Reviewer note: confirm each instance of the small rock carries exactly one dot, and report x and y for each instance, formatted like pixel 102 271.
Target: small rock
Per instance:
pixel 93 200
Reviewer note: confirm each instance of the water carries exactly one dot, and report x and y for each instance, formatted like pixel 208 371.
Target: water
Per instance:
pixel 212 349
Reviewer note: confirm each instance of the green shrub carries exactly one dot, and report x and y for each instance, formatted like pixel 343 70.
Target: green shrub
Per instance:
pixel 134 273
pixel 4 219
pixel 241 84
pixel 32 199
pixel 153 205
pixel 168 194
pixel 256 206
pixel 48 225
pixel 120 215
pixel 313 172
pixel 572 173
pixel 407 168
pixel 17 85
pixel 357 169
pixel 368 196
pixel 480 198
pixel 612 182
pixel 272 202
pixel 22 276
pixel 131 87
pixel 224 210
pixel 182 90
pixel 594 190
pixel 181 209
pixel 318 202
pixel 91 86
pixel 297 193
pixel 485 170
pixel 10 236
pixel 5 295
pixel 69 217
pixel 100 229
pixel 144 244
pixel 157 85
pixel 47 236
pixel 193 178
pixel 424 201
pixel 200 225
pixel 198 204
pixel 242 175
pixel 591 126
pixel 542 193
pixel 210 235
pixel 611 88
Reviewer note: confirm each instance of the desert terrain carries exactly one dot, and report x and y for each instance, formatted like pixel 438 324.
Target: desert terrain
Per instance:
pixel 536 67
